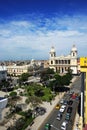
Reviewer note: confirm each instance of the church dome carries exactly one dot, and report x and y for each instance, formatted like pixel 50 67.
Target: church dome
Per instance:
pixel 74 48
pixel 52 49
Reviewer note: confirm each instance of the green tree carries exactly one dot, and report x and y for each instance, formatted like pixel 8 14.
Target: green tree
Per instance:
pixel 61 81
pixel 13 94
pixel 34 100
pixel 50 71
pixel 46 74
pixel 69 74
pixel 23 77
pixel 58 80
pixel 4 84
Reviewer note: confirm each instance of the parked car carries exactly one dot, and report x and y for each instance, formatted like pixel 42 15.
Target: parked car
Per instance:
pixel 47 126
pixel 69 110
pixel 62 101
pixel 73 96
pixel 64 125
pixel 77 98
pixel 62 109
pixel 59 116
pixel 65 102
pixel 71 92
pixel 58 106
pixel 40 110
pixel 68 113
pixel 70 102
pixel 67 116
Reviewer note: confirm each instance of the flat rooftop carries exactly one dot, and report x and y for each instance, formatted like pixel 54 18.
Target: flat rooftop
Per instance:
pixel 2 98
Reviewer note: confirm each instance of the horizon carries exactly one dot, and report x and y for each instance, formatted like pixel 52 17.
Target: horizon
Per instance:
pixel 29 28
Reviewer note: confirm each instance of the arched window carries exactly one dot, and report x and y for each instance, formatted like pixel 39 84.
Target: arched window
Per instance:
pixel 73 54
pixel 51 62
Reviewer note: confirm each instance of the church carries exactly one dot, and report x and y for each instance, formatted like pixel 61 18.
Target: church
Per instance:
pixel 62 63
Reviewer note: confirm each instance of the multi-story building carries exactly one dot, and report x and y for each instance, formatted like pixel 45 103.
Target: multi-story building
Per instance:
pixel 3 103
pixel 3 72
pixel 83 114
pixel 63 63
pixel 17 70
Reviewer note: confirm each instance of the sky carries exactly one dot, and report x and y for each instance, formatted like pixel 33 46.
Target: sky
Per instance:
pixel 29 28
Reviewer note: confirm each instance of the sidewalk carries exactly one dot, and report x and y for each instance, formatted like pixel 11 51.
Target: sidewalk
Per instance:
pixel 75 127
pixel 40 119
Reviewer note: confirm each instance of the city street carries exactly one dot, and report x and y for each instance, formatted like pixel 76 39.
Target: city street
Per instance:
pixel 52 117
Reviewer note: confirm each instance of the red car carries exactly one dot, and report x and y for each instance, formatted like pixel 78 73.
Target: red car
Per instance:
pixel 73 96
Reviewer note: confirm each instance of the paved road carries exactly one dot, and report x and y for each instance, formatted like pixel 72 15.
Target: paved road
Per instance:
pixel 76 86
pixel 52 117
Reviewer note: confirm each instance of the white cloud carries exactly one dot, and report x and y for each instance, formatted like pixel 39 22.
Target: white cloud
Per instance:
pixel 35 38
pixel 20 23
pixel 4 32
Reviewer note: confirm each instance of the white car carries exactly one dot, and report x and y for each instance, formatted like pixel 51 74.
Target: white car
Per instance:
pixel 62 109
pixel 64 125
pixel 62 101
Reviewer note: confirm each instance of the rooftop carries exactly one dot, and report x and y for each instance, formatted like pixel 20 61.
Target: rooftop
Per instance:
pixel 3 68
pixel 2 98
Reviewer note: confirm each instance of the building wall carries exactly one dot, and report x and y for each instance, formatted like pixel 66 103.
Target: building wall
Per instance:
pixel 17 70
pixel 83 68
pixel 3 72
pixel 63 63
pixel 85 97
pixel 20 69
pixel 46 64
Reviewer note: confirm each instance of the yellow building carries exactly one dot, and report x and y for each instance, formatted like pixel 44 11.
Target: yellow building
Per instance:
pixel 83 69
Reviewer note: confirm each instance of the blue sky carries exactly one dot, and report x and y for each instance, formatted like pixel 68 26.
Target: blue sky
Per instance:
pixel 28 28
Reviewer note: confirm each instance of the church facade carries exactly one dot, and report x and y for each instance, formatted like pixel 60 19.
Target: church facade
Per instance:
pixel 63 63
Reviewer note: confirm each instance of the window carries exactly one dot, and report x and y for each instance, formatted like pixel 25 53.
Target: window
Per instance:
pixel 68 61
pixel 56 61
pixel 65 61
pixel 73 54
pixel 62 61
pixel 51 55
pixel 51 62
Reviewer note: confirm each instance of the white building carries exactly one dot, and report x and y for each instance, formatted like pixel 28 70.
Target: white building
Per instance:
pixel 3 72
pixel 63 63
pixel 3 103
pixel 17 70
